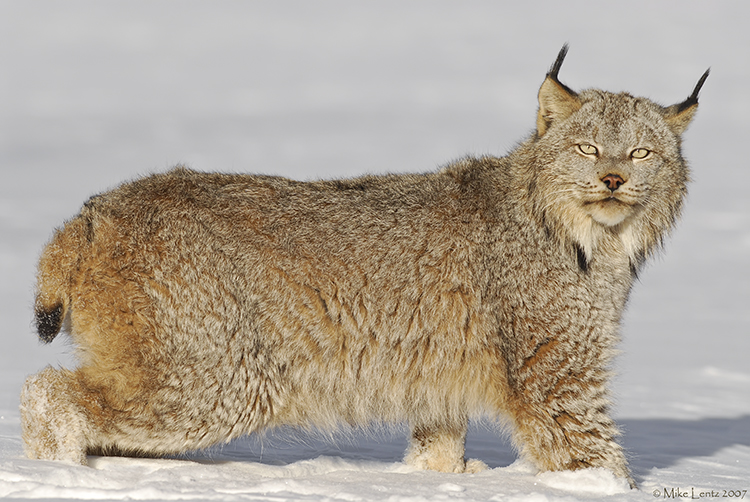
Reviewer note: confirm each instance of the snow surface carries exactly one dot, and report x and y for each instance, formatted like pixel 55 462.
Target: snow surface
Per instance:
pixel 94 93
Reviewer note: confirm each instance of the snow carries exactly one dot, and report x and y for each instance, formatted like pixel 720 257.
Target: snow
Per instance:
pixel 94 93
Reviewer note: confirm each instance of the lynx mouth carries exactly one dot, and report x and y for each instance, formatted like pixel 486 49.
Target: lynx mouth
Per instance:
pixel 610 211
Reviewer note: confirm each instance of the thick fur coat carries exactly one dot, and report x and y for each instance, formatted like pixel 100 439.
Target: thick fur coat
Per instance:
pixel 208 306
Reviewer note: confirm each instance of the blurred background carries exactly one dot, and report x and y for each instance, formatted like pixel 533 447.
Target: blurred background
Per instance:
pixel 94 93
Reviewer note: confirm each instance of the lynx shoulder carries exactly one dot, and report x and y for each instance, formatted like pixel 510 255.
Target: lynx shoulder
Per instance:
pixel 208 306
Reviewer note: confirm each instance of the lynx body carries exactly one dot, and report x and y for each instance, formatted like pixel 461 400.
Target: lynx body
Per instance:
pixel 208 306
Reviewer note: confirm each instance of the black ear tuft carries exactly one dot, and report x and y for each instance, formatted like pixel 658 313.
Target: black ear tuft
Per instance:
pixel 555 69
pixel 557 101
pixel 680 115
pixel 692 100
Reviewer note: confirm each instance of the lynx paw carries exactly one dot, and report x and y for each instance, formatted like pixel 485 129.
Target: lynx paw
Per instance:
pixel 475 465
pixel 436 464
pixel 52 429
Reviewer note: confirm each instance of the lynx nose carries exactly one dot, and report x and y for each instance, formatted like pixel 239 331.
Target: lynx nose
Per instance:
pixel 613 181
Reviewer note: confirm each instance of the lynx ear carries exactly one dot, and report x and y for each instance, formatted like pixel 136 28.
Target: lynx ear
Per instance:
pixel 556 100
pixel 679 116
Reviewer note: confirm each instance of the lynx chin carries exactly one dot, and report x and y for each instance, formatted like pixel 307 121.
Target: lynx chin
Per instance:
pixel 205 307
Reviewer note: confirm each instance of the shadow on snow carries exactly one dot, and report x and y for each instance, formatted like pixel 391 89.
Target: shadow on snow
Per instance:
pixel 650 443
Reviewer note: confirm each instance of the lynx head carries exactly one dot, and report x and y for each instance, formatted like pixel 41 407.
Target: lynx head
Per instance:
pixel 608 165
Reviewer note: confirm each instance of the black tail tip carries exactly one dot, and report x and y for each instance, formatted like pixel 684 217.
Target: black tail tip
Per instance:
pixel 48 322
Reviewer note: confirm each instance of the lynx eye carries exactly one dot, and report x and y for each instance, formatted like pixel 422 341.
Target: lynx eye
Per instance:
pixel 640 153
pixel 587 149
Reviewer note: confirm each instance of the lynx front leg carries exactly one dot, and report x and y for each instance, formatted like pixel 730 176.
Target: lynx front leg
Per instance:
pixel 440 448
pixel 566 426
pixel 54 427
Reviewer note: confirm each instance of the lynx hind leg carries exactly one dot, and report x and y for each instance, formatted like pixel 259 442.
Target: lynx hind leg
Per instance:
pixel 53 426
pixel 440 448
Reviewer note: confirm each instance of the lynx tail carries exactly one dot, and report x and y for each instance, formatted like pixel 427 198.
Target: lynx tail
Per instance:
pixel 55 278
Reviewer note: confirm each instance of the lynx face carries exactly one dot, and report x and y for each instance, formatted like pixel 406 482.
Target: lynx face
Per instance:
pixel 617 160
pixel 616 167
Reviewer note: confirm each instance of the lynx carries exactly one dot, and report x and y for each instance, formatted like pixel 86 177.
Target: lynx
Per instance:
pixel 205 307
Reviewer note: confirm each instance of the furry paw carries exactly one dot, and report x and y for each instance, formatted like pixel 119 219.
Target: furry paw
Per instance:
pixel 474 465
pixel 52 427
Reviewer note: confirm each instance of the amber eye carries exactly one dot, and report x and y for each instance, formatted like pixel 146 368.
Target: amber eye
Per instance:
pixel 587 149
pixel 640 153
